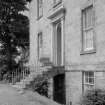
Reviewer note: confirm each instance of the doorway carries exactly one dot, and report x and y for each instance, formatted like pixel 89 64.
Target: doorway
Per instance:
pixel 59 89
pixel 59 44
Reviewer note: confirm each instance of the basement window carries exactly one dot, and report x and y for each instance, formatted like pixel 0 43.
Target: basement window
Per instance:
pixel 88 80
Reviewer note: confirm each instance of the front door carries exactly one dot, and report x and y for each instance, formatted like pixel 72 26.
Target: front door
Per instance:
pixel 59 89
pixel 59 44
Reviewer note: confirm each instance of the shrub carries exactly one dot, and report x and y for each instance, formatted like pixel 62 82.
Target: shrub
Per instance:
pixel 40 85
pixel 94 97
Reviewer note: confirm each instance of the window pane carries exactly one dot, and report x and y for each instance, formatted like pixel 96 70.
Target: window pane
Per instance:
pixel 91 80
pixel 88 87
pixel 86 74
pixel 40 12
pixel 40 8
pixel 86 77
pixel 84 20
pixel 40 40
pixel 88 40
pixel 84 40
pixel 86 80
pixel 40 45
pixel 91 74
pixel 89 77
pixel 89 16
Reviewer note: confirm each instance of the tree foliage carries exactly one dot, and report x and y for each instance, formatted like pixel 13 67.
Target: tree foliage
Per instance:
pixel 14 25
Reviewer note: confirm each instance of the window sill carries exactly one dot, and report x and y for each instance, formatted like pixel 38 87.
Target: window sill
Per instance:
pixel 88 52
pixel 89 84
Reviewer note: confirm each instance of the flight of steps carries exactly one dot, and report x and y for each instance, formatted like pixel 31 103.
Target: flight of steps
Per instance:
pixel 26 81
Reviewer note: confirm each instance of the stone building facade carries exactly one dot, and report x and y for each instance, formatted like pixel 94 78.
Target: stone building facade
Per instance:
pixel 69 35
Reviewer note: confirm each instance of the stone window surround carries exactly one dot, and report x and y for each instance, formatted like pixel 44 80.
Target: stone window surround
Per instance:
pixel 55 53
pixel 58 16
pixel 62 37
pixel 89 3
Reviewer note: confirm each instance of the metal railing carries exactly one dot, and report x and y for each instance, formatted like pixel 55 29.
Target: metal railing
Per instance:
pixel 18 74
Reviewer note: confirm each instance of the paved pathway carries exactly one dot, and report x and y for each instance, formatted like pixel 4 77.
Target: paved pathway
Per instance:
pixel 11 96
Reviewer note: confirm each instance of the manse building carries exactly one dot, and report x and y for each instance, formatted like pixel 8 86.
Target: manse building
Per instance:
pixel 68 38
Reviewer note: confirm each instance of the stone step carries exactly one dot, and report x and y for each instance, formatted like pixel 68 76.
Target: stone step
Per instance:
pixel 22 84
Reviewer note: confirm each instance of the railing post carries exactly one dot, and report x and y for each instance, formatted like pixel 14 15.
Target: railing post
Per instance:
pixel 23 73
pixel 13 78
pixel 16 75
pixel 19 73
